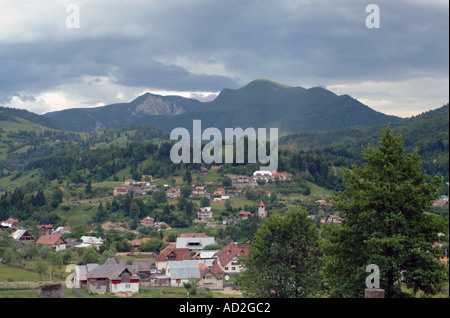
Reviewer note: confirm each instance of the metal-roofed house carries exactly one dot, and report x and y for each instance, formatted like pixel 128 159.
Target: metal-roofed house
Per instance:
pixel 23 236
pixel 181 271
pixel 80 274
pixel 113 277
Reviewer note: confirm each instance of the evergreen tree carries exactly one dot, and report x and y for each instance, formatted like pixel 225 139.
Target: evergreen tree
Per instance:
pixel 384 224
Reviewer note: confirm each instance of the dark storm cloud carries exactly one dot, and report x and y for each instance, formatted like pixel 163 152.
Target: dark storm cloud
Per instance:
pixel 169 45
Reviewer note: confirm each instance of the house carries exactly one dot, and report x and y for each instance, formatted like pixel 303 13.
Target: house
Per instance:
pixel 262 175
pixel 120 191
pixel 10 223
pixel 171 253
pixel 76 203
pixel 205 213
pixel 130 182
pixel 227 258
pixel 198 190
pixel 113 277
pixel 203 171
pixel 148 221
pixel 211 277
pixel 281 176
pixel 46 229
pixel 332 219
pixel 90 241
pixel 219 192
pixel 80 274
pixel 181 272
pixel 62 230
pixel 262 213
pixel 242 179
pixel 195 243
pixel 244 214
pixel 441 201
pixel 137 243
pixel 173 193
pixel 144 268
pixel 55 241
pixel 137 190
pixel 23 236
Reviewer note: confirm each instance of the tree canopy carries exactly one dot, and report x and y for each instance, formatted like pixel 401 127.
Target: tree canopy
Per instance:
pixel 385 223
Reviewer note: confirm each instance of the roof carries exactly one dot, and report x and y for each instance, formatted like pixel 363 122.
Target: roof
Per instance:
pixel 18 234
pixel 183 269
pixel 92 240
pixel 215 270
pixel 112 270
pixel 245 213
pixel 50 239
pixel 261 203
pixel 230 251
pixel 138 242
pixel 178 253
pixel 144 266
pixel 195 242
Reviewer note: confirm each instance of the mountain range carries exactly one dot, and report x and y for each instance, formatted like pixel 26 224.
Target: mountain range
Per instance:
pixel 260 104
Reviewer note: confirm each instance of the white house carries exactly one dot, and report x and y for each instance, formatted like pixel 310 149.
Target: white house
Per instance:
pixel 89 241
pixel 262 175
pixel 205 213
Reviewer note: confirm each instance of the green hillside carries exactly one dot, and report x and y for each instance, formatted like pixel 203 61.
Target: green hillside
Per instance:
pixel 428 133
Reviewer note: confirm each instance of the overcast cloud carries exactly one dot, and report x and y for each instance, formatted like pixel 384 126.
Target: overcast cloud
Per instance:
pixel 198 47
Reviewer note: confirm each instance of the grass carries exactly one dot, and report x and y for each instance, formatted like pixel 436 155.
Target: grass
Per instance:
pixel 17 274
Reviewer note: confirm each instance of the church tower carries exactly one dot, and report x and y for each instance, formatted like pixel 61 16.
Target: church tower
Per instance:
pixel 262 210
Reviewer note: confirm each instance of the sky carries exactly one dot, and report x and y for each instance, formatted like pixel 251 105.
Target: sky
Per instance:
pixel 59 54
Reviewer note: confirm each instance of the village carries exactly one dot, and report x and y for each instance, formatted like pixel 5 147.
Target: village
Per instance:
pixel 184 259
pixel 190 256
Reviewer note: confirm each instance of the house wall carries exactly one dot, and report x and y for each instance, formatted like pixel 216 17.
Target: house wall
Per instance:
pixel 232 267
pixel 210 281
pixel 98 286
pixel 161 265
pixel 125 287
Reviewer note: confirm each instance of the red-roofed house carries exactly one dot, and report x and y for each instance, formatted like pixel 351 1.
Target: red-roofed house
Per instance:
pixel 120 191
pixel 46 229
pixel 171 253
pixel 56 242
pixel 137 242
pixel 227 258
pixel 244 214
